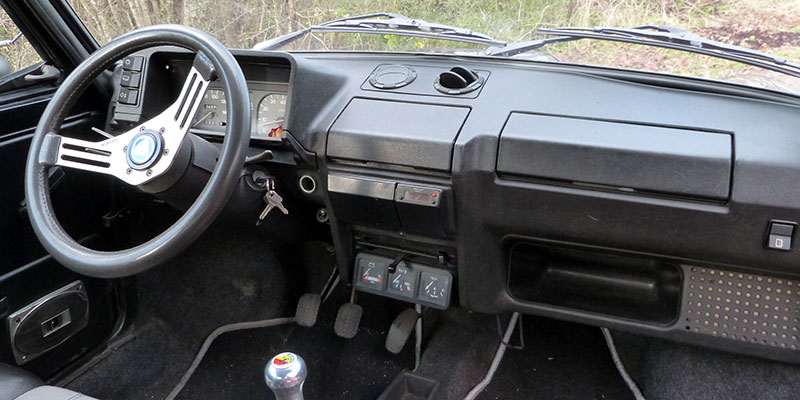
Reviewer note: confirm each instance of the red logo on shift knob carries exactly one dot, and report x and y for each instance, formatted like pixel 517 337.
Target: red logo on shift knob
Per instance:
pixel 283 359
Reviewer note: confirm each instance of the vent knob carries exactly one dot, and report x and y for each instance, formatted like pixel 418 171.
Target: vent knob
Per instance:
pixel 458 80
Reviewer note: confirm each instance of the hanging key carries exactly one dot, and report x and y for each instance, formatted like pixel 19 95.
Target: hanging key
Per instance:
pixel 269 184
pixel 274 200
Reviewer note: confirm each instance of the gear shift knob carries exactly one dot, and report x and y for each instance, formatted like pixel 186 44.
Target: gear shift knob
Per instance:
pixel 285 375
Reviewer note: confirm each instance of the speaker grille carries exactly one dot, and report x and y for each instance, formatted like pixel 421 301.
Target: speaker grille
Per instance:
pixel 744 307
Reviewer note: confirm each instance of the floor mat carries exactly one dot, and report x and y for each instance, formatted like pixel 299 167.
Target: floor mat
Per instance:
pixel 667 370
pixel 228 276
pixel 560 360
pixel 144 368
pixel 458 351
pixel 359 368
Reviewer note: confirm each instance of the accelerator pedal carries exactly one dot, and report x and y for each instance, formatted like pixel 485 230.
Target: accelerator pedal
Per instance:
pixel 307 309
pixel 401 330
pixel 347 320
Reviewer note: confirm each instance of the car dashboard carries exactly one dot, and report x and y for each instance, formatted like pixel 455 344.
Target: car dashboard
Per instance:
pixel 655 204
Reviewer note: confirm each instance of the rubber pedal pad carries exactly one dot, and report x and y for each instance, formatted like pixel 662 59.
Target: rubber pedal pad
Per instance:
pixel 307 309
pixel 401 330
pixel 347 320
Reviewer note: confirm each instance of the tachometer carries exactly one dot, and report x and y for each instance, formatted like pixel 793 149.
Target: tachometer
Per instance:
pixel 271 112
pixel 213 112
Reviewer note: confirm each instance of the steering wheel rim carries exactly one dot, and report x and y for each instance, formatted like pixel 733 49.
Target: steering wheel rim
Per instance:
pixel 199 216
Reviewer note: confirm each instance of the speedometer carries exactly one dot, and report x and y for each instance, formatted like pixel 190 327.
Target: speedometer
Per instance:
pixel 271 112
pixel 213 112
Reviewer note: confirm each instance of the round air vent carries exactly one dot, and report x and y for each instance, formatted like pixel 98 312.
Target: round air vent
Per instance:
pixel 458 80
pixel 392 76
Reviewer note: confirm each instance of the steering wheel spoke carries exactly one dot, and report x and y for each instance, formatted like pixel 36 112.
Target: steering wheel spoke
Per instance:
pixel 101 157
pixel 194 88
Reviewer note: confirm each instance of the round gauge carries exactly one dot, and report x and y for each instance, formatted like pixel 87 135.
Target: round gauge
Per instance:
pixel 403 281
pixel 271 111
pixel 213 112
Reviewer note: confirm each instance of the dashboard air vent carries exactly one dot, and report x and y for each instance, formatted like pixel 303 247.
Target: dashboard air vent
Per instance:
pixel 458 80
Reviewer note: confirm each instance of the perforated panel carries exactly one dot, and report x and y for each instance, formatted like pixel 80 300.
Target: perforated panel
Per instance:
pixel 743 307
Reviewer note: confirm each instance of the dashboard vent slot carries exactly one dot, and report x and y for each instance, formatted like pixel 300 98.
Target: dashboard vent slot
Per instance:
pixel 458 80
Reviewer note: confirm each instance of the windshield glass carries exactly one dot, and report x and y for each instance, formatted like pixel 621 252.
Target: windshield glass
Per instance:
pixel 769 26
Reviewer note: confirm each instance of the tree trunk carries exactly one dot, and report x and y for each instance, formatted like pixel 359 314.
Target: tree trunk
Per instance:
pixel 126 8
pixel 153 11
pixel 91 12
pixel 291 5
pixel 113 13
pixel 177 12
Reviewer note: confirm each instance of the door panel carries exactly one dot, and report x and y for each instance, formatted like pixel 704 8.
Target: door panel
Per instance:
pixel 27 273
pixel 80 198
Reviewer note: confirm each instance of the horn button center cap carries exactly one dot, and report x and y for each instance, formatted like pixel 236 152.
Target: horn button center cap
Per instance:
pixel 144 149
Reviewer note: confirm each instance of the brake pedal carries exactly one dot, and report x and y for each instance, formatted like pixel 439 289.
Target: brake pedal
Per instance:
pixel 307 309
pixel 401 330
pixel 347 320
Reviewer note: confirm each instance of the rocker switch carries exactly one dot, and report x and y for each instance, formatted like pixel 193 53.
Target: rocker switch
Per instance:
pixel 133 63
pixel 780 236
pixel 127 96
pixel 130 79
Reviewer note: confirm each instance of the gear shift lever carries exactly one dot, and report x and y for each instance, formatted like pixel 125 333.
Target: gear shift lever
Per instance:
pixel 285 375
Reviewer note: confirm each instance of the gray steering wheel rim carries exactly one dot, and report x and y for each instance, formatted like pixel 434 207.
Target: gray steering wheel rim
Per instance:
pixel 208 204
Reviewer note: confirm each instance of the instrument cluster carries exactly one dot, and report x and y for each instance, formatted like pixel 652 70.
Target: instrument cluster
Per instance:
pixel 267 105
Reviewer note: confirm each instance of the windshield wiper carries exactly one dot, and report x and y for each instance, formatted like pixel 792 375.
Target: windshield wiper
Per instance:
pixel 9 42
pixel 652 35
pixel 386 24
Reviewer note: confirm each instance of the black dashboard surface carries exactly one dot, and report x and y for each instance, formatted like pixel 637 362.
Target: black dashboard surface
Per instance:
pixel 593 175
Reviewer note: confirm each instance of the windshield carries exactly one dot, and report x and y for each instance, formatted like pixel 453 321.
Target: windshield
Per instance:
pixel 769 26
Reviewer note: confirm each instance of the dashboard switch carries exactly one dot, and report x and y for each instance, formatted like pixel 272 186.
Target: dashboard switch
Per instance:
pixel 780 236
pixel 128 96
pixel 133 63
pixel 130 79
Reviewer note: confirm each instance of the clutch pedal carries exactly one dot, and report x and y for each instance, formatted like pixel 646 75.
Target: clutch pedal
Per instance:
pixel 308 309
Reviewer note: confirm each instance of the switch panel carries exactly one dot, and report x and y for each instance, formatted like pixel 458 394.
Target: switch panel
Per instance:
pixel 410 282
pixel 780 235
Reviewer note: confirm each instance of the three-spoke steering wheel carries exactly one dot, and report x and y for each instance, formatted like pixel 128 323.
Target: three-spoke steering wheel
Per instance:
pixel 142 154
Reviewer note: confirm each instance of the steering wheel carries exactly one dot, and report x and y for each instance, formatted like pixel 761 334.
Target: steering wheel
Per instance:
pixel 142 154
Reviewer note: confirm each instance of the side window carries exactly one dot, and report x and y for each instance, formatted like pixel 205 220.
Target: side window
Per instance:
pixel 16 53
